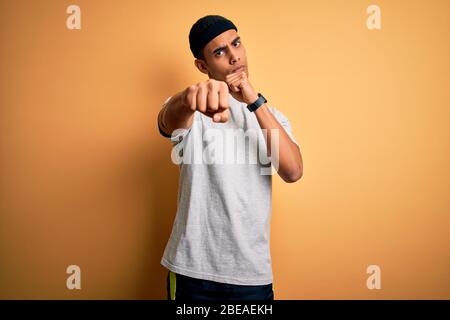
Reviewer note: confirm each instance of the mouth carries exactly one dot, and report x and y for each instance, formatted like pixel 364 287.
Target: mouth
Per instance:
pixel 240 68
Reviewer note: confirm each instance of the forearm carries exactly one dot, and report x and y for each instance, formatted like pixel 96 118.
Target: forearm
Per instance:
pixel 175 115
pixel 290 163
pixel 289 159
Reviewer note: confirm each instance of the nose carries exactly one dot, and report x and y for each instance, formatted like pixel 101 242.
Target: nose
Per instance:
pixel 234 57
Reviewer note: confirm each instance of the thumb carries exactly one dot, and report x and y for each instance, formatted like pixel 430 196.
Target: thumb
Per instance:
pixel 223 116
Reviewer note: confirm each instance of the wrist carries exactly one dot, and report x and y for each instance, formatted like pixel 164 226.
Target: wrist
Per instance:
pixel 260 101
pixel 252 98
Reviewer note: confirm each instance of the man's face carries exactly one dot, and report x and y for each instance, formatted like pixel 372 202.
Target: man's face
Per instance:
pixel 225 54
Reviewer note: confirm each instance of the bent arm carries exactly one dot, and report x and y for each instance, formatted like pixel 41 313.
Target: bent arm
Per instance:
pixel 289 158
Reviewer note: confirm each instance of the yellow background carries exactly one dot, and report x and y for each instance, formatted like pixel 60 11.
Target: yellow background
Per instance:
pixel 86 179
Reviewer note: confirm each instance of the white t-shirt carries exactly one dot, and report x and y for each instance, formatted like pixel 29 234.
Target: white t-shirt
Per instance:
pixel 221 230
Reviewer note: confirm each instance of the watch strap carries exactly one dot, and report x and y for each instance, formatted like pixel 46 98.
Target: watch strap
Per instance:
pixel 258 103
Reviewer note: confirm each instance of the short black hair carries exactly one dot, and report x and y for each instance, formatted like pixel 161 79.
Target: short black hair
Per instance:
pixel 206 29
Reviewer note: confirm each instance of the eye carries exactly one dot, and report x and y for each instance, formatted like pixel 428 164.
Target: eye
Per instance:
pixel 237 43
pixel 218 53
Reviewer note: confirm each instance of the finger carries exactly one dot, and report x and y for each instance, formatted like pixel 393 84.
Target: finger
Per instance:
pixel 235 85
pixel 233 76
pixel 240 77
pixel 234 88
pixel 191 97
pixel 240 82
pixel 201 97
pixel 223 96
pixel 211 113
pixel 213 97
pixel 222 116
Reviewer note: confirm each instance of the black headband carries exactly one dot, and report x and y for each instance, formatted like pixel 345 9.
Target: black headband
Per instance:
pixel 206 29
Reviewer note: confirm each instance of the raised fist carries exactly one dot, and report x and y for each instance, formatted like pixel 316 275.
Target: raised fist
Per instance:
pixel 209 97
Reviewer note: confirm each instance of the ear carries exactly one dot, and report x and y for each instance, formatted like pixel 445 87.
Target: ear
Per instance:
pixel 201 65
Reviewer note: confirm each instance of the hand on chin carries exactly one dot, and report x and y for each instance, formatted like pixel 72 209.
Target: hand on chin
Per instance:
pixel 240 88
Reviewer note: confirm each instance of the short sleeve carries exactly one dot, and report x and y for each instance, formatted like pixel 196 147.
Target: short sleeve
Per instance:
pixel 284 121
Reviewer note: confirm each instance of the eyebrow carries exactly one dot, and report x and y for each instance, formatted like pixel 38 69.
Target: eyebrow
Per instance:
pixel 224 47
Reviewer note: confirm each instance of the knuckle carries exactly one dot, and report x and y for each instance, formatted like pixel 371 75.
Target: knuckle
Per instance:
pixel 201 88
pixel 224 87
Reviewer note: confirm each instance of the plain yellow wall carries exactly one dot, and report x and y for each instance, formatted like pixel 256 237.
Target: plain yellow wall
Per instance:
pixel 86 178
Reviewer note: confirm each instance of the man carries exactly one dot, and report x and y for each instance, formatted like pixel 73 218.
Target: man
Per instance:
pixel 219 245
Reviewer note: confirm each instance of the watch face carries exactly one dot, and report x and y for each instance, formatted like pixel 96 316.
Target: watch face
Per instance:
pixel 261 96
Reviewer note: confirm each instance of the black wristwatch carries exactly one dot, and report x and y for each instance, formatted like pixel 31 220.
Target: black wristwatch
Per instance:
pixel 258 103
